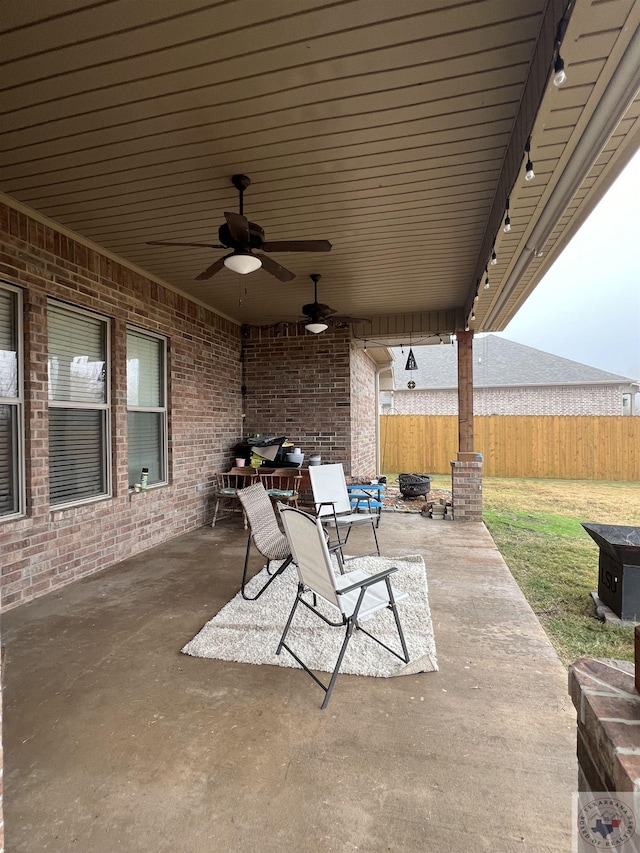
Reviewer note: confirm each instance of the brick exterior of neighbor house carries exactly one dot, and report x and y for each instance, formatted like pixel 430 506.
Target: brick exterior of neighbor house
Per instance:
pixel 508 379
pixel 544 400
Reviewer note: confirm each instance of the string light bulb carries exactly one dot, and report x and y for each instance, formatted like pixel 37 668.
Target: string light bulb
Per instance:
pixel 466 328
pixel 494 258
pixel 486 281
pixel 473 315
pixel 529 174
pixel 559 75
pixel 507 220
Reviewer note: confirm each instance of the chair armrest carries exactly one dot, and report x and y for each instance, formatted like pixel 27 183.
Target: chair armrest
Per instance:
pixel 324 503
pixel 370 580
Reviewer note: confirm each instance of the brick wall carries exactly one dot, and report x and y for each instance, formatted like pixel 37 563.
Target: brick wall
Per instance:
pixel 298 385
pixel 363 414
pixel 49 548
pixel 608 721
pixel 550 400
pixel 466 488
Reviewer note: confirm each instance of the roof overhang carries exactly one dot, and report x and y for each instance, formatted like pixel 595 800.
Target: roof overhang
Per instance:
pixel 394 130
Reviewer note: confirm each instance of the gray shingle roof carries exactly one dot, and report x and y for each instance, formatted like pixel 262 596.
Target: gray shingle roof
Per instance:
pixel 498 362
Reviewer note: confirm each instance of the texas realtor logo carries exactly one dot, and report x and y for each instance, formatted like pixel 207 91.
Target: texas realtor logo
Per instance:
pixel 605 822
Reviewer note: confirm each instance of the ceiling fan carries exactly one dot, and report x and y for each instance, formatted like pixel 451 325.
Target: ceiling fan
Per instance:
pixel 318 316
pixel 243 237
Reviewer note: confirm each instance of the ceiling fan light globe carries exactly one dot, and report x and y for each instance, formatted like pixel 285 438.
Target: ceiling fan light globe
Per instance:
pixel 242 262
pixel 316 328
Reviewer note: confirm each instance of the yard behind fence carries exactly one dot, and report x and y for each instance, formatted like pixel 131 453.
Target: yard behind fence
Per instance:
pixel 550 446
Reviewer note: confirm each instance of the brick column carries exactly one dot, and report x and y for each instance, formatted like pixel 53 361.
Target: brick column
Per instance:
pixel 608 706
pixel 466 487
pixel 466 470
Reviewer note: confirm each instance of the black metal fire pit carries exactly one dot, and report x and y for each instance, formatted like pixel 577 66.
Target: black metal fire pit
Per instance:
pixel 618 567
pixel 414 485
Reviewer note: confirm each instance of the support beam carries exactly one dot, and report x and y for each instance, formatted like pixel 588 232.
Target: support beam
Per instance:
pixel 465 391
pixel 466 470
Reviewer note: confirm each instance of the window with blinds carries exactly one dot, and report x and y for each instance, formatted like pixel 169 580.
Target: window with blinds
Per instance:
pixel 11 434
pixel 146 406
pixel 79 435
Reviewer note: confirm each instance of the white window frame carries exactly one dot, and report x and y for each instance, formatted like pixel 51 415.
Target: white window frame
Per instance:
pixel 162 410
pixel 103 407
pixel 18 403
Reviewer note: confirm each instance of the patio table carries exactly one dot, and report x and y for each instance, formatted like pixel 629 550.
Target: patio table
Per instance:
pixel 369 494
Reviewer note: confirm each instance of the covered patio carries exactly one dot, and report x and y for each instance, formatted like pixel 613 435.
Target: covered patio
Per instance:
pixel 116 741
pixel 401 134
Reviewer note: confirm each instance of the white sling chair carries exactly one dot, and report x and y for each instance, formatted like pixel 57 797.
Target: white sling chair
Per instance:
pixel 333 504
pixel 355 595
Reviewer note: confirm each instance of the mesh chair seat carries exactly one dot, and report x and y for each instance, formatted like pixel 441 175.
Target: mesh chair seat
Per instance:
pixel 265 533
pixel 333 503
pixel 355 595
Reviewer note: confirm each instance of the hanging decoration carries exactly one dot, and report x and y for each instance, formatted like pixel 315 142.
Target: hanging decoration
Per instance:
pixel 411 362
pixel 411 365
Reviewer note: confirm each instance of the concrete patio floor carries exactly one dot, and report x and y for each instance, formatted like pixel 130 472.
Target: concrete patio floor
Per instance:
pixel 114 741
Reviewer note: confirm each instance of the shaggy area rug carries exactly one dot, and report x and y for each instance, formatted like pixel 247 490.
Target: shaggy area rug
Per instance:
pixel 249 631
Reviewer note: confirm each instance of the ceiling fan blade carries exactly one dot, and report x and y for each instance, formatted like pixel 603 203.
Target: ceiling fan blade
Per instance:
pixel 271 266
pixel 167 243
pixel 318 309
pixel 211 271
pixel 344 319
pixel 297 246
pixel 238 226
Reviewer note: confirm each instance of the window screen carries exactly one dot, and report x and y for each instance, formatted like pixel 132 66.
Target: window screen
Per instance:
pixel 147 413
pixel 11 481
pixel 78 406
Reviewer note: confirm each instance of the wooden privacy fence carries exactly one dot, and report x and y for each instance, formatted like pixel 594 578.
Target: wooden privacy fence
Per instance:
pixel 546 446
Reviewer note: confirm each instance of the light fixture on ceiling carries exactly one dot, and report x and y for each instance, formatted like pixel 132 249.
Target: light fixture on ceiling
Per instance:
pixel 473 315
pixel 559 74
pixel 529 174
pixel 494 258
pixel 507 220
pixel 317 326
pixel 242 262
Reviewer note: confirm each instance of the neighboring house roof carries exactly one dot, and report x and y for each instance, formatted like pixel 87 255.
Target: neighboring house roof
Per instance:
pixel 498 362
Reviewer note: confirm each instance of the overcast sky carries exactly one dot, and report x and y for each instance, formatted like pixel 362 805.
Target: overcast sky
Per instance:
pixel 587 307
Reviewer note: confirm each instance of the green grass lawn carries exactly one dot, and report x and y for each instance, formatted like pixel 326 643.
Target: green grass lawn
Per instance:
pixel 536 526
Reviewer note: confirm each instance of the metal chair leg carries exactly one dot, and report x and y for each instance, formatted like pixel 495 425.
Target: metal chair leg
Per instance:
pixel 329 687
pixel 289 620
pixel 272 577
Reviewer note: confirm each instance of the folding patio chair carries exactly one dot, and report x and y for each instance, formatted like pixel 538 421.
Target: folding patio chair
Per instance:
pixel 333 503
pixel 355 595
pixel 265 534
